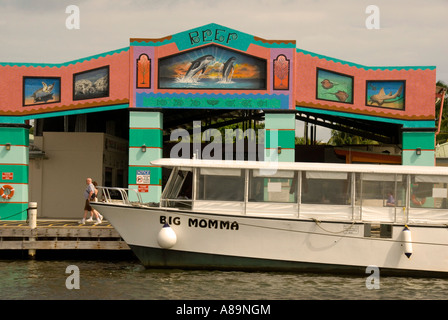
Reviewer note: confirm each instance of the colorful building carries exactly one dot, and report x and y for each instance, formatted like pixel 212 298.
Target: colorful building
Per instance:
pixel 110 115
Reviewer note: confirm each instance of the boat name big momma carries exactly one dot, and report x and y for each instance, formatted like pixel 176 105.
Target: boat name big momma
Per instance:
pixel 201 223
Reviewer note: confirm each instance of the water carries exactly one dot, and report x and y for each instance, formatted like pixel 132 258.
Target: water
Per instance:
pixel 126 279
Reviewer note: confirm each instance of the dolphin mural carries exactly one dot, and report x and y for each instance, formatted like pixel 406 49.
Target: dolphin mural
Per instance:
pixel 198 65
pixel 228 69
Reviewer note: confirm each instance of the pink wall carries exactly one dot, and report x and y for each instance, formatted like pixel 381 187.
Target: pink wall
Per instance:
pixel 11 84
pixel 419 89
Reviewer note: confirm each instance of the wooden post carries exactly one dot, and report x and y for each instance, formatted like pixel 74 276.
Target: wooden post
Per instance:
pixel 32 221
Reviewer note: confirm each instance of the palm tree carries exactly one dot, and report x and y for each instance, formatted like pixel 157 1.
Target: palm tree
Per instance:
pixel 442 122
pixel 339 138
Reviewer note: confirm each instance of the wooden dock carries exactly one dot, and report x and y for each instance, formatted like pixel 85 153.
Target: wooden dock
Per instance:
pixel 59 235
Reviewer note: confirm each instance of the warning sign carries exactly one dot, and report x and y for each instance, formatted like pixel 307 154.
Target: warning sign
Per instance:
pixel 7 175
pixel 143 188
pixel 143 176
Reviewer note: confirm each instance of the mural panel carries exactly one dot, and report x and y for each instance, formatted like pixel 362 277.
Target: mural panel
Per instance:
pixel 41 90
pixel 91 84
pixel 334 86
pixel 386 94
pixel 281 73
pixel 143 72
pixel 212 67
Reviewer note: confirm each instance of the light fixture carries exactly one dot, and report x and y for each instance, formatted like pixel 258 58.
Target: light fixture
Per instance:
pixel 279 150
pixel 418 151
pixel 143 148
pixel 8 146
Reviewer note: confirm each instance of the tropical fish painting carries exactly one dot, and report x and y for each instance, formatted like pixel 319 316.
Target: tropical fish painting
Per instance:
pixel 386 94
pixel 212 67
pixel 41 90
pixel 334 86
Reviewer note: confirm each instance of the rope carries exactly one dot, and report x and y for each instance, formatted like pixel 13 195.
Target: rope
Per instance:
pixel 317 222
pixel 15 214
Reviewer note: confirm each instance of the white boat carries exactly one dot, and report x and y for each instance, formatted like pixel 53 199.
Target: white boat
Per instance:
pixel 311 217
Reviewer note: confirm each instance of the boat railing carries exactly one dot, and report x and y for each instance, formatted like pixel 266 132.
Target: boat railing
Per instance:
pixel 118 195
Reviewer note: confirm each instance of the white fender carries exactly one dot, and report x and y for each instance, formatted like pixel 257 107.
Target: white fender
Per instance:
pixel 166 237
pixel 407 242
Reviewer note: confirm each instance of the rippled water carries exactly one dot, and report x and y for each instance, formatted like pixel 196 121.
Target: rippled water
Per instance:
pixel 127 279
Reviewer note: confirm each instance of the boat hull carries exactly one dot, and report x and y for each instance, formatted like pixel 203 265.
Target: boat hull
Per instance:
pixel 235 242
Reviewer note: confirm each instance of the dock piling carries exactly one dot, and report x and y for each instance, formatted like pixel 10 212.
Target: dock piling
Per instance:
pixel 32 221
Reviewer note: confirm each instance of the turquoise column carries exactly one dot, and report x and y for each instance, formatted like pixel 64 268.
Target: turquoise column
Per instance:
pixel 280 131
pixel 145 145
pixel 14 161
pixel 418 147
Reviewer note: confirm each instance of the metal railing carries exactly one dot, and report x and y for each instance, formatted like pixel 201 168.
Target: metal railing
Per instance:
pixel 118 195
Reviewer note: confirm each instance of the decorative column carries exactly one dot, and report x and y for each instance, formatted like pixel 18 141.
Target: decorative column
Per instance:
pixel 145 145
pixel 14 160
pixel 280 137
pixel 418 146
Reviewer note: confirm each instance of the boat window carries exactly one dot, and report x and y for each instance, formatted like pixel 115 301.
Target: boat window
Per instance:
pixel 326 188
pixel 381 190
pixel 278 187
pixel 221 184
pixel 429 191
pixel 178 188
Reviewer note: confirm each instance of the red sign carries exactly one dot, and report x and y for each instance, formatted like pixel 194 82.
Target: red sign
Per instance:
pixel 7 175
pixel 143 188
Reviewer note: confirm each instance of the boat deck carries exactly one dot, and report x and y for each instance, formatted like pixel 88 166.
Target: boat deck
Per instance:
pixel 59 235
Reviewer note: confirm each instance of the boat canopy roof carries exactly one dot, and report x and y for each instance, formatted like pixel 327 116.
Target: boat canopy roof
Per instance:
pixel 187 164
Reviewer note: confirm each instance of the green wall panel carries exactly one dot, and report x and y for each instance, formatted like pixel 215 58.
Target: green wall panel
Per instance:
pixel 148 137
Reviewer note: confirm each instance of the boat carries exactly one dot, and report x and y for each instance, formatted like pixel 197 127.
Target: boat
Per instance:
pixel 284 216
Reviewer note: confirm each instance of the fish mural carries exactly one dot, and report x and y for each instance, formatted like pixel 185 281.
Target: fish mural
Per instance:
pixel 340 95
pixel 333 86
pixel 386 94
pixel 41 90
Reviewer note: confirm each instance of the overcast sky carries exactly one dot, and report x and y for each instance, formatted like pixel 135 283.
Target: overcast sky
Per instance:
pixel 412 32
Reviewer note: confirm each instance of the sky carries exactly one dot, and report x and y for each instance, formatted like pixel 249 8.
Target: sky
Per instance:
pixel 410 33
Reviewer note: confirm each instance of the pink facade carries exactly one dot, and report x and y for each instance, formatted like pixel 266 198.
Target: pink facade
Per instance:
pixel 12 84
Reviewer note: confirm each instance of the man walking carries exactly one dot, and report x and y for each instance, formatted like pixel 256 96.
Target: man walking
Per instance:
pixel 88 192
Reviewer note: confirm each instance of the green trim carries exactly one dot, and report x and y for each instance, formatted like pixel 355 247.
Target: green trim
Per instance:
pixel 148 137
pixel 286 139
pixel 229 102
pixel 16 136
pixel 59 65
pixel 422 140
pixel 405 123
pixel 213 33
pixel 20 173
pixel 155 174
pixel 360 66
pixel 13 211
pixel 21 119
